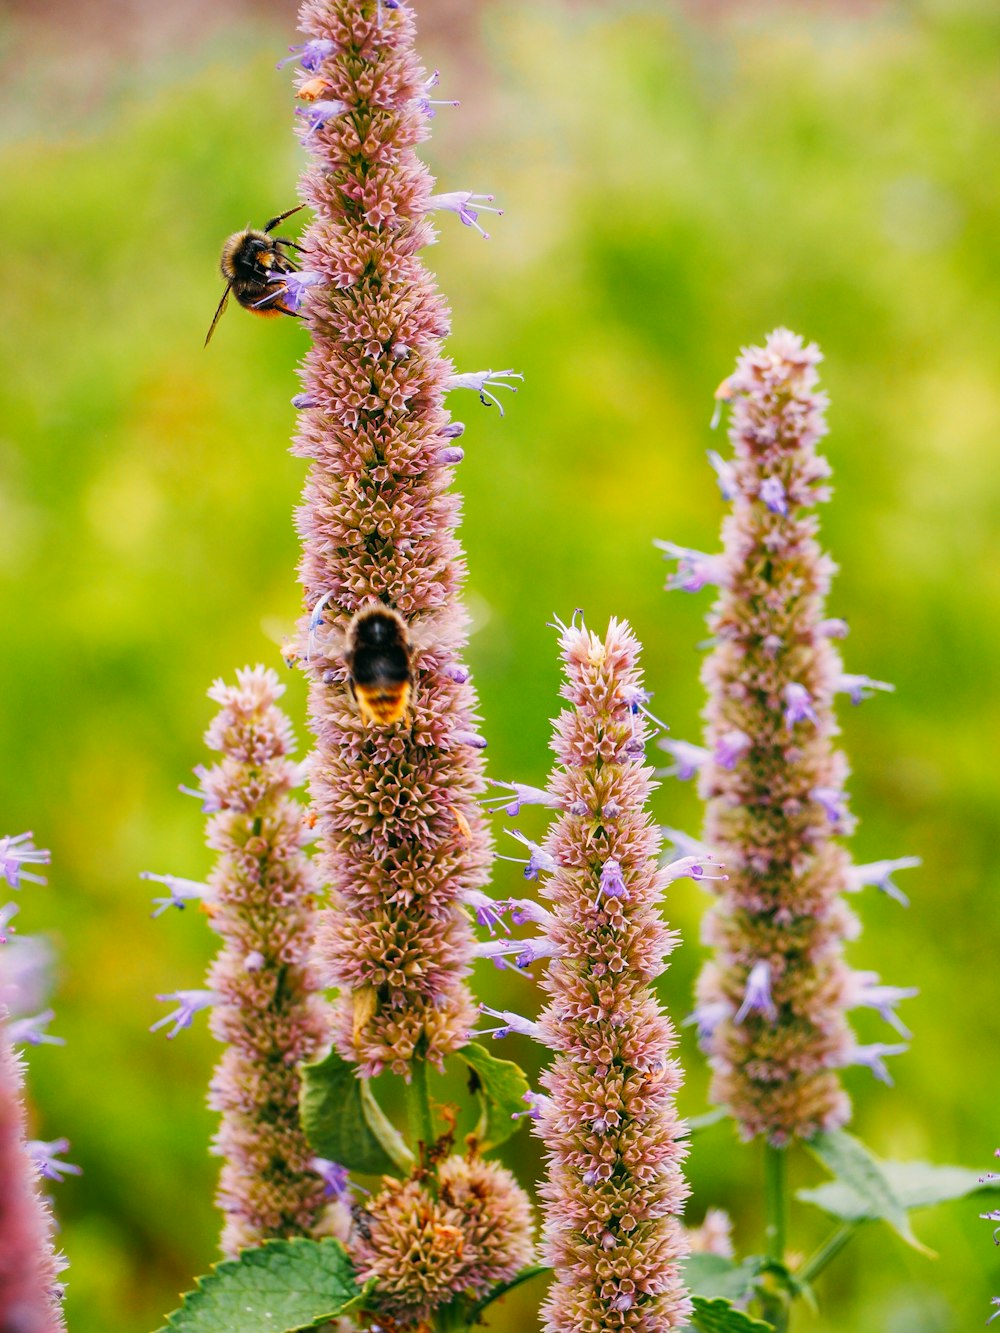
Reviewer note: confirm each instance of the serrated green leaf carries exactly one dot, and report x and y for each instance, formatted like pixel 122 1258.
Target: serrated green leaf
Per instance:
pixel 282 1286
pixel 710 1276
pixel 853 1166
pixel 501 1086
pixel 343 1121
pixel 916 1184
pixel 721 1316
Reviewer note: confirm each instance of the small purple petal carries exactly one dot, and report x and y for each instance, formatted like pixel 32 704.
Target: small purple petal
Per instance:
pixel 798 706
pixel 772 493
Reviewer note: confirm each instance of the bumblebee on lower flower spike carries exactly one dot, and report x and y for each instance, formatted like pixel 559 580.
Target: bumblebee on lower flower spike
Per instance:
pixel 379 658
pixel 250 259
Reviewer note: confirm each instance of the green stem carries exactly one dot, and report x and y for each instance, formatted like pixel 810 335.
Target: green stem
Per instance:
pixel 775 1229
pixel 418 1108
pixel 830 1248
pixel 774 1191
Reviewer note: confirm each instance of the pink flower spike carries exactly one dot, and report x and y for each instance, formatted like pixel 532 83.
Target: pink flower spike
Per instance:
pixel 400 833
pixel 772 1001
pixel 609 1125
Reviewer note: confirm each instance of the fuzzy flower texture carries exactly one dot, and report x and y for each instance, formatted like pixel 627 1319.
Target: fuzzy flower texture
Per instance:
pixel 773 1002
pixel 261 986
pixel 609 1125
pixel 402 839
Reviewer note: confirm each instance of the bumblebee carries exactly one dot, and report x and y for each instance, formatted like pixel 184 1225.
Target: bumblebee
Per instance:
pixel 379 658
pixel 248 258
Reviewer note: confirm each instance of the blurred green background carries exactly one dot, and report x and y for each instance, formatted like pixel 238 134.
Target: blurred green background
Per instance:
pixel 677 181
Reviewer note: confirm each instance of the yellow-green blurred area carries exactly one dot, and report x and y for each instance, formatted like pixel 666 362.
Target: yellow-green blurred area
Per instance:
pixel 676 182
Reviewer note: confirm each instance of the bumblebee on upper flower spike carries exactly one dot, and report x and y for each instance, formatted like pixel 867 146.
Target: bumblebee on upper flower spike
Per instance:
pixel 379 657
pixel 252 261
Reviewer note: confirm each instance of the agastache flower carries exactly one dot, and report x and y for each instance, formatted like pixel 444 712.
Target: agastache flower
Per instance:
pixel 757 995
pixel 798 706
pixel 180 892
pixel 401 836
pixel 879 873
pixel 610 1129
pixel 772 1003
pixel 522 795
pixel 294 285
pixel 484 382
pixel 46 1155
pixel 468 206
pixel 725 473
pixel 261 987
pixel 865 989
pixel 539 860
pixel 688 758
pixel 695 569
pixel 18 852
pixel 873 1057
pixel 320 113
pixel 189 1003
pixel 427 104
pixel 30 1292
pixel 421 1247
pixel 310 55
pixel 858 688
pixel 7 914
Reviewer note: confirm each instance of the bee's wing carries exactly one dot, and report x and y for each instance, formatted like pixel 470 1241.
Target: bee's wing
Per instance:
pixel 218 313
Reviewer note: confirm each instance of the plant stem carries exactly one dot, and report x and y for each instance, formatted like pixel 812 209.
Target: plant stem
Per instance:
pixel 418 1108
pixel 830 1248
pixel 775 1200
pixel 774 1193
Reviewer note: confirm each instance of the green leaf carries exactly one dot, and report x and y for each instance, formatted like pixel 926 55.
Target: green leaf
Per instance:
pixel 500 1085
pixel 711 1275
pixel 282 1286
pixel 916 1185
pixel 343 1121
pixel 502 1288
pixel 720 1316
pixel 696 1123
pixel 854 1167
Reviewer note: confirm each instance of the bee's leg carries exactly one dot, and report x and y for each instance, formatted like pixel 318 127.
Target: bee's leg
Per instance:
pixel 283 240
pixel 270 226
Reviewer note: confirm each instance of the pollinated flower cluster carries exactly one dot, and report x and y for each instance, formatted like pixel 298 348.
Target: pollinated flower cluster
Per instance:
pixel 773 1002
pixel 609 1124
pixel 427 1246
pixel 262 987
pixel 403 843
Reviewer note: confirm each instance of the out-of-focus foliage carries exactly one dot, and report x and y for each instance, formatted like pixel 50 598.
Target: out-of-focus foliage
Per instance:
pixel 673 188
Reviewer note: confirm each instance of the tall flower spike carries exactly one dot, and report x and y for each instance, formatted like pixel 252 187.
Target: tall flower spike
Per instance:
pixel 778 988
pixel 30 1293
pixel 265 1007
pixel 402 838
pixel 611 1133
